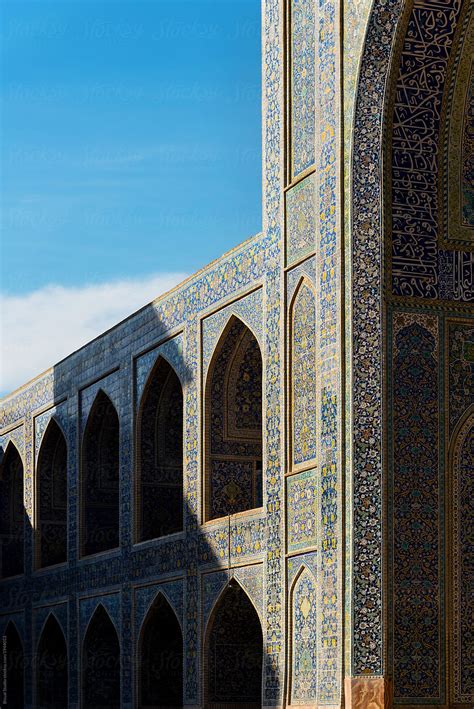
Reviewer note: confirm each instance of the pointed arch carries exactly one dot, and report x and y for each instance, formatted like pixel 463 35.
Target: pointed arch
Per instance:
pixel 303 391
pixel 15 669
pixel 241 316
pixel 51 497
pixel 233 651
pixel 160 656
pixel 100 681
pixel 12 513
pixel 233 421
pixel 51 666
pixel 159 478
pixel 303 638
pixel 100 484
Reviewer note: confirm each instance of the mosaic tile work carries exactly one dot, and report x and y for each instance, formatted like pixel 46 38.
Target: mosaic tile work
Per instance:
pixel 417 537
pixel 306 269
pixel 302 510
pixel 213 584
pixel 247 540
pixel 303 375
pixel 146 596
pixel 296 563
pixel 15 436
pixel 88 606
pixel 273 159
pixel 329 294
pixel 366 299
pixel 171 350
pixel 17 618
pixel 304 633
pixel 460 336
pixel 234 424
pixel 59 413
pixel 248 309
pixel 40 616
pixel 419 268
pixel 458 144
pixel 301 220
pixel 303 115
pixel 462 560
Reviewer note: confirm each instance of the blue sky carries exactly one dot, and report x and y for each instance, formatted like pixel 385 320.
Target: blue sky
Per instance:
pixel 131 139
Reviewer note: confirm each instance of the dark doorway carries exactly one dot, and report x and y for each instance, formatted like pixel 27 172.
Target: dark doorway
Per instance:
pixel 15 668
pixel 52 667
pixel 100 478
pixel 160 454
pixel 234 652
pixel 161 658
pixel 12 514
pixel 101 664
pixel 52 497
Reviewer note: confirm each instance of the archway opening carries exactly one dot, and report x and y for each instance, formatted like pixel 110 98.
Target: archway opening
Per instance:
pixel 233 653
pixel 12 514
pixel 160 455
pixel 101 664
pixel 52 498
pixel 52 667
pixel 15 668
pixel 161 658
pixel 234 424
pixel 100 478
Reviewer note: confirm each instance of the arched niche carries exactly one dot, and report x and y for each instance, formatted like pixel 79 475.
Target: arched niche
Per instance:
pixel 51 667
pixel 233 652
pixel 100 686
pixel 51 494
pixel 233 402
pixel 303 376
pixel 100 478
pixel 160 657
pixel 12 513
pixel 303 639
pixel 15 667
pixel 159 485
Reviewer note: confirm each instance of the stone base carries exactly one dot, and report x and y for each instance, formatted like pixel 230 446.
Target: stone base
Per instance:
pixel 368 693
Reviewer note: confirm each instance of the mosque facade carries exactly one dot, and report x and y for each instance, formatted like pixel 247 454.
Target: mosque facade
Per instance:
pixel 257 490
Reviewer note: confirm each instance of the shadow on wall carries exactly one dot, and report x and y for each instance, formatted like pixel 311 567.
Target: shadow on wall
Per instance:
pixel 117 493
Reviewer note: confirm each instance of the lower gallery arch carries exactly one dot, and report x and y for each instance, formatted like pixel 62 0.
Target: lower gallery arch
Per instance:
pixel 101 663
pixel 15 667
pixel 160 658
pixel 52 667
pixel 233 653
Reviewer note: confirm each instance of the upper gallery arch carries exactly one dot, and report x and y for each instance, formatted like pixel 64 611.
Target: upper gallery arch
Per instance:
pixel 233 423
pixel 159 469
pixel 100 477
pixel 51 497
pixel 12 512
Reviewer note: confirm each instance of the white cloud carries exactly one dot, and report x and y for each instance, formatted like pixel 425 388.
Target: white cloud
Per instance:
pixel 40 328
